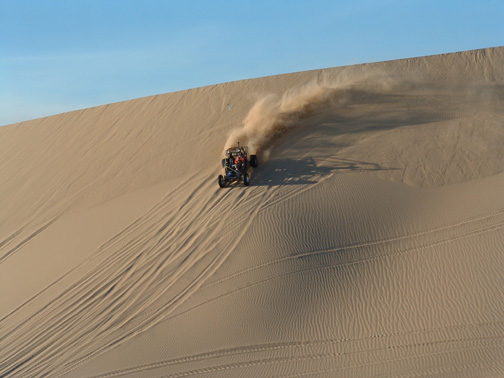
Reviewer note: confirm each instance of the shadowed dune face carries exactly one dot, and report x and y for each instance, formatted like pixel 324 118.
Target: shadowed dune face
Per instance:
pixel 369 242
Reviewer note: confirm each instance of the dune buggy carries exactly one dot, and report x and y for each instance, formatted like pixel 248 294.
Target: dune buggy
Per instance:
pixel 236 165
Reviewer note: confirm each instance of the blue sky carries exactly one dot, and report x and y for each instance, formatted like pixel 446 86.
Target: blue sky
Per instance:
pixel 57 56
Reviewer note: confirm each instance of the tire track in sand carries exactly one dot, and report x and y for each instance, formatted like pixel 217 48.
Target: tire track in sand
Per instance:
pixel 273 361
pixel 492 228
pixel 259 348
pixel 115 290
pixel 372 243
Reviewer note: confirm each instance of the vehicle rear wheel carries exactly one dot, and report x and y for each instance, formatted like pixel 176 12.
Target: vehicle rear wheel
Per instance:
pixel 246 179
pixel 222 182
pixel 253 161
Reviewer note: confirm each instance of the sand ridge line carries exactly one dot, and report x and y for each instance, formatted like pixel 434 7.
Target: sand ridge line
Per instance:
pixel 296 344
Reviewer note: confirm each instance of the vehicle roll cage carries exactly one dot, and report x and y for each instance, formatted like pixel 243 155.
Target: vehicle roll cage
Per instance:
pixel 235 151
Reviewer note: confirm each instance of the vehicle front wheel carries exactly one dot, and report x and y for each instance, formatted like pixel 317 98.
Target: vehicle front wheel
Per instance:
pixel 222 182
pixel 246 179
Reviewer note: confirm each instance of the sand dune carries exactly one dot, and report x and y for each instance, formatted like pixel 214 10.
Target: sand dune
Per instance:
pixel 370 242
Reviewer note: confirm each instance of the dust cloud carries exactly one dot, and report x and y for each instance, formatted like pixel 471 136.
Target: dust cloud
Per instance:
pixel 272 115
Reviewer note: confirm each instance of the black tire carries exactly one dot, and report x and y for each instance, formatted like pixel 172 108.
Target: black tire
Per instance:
pixel 246 179
pixel 253 161
pixel 222 182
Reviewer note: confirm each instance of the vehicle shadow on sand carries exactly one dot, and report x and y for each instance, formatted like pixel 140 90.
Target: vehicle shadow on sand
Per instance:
pixel 306 171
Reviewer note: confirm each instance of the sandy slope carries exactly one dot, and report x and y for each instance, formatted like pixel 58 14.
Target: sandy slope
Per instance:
pixel 370 242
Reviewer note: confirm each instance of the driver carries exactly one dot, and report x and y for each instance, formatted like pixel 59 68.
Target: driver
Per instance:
pixel 241 162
